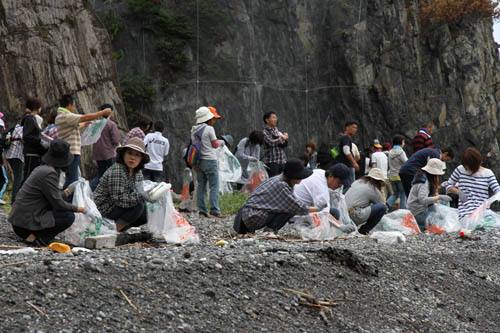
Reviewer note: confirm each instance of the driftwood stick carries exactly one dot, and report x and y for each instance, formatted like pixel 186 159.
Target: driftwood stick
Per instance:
pixel 38 309
pixel 12 264
pixel 130 302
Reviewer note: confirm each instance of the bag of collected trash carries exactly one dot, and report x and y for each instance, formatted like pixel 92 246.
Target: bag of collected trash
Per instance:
pixel 337 200
pixel 317 226
pixel 257 173
pixel 85 225
pixel 442 219
pixel 483 216
pixel 401 220
pixel 164 221
pixel 92 133
pixel 229 169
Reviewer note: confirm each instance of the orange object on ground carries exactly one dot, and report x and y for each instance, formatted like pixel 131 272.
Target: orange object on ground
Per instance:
pixel 185 192
pixel 60 247
pixel 434 229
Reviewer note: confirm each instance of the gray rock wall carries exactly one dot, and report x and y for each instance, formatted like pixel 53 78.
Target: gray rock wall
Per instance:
pixel 52 47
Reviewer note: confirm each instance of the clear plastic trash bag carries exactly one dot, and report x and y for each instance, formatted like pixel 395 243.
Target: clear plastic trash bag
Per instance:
pixel 337 200
pixel 401 220
pixel 442 219
pixel 92 133
pixel 317 226
pixel 229 169
pixel 257 173
pixel 483 216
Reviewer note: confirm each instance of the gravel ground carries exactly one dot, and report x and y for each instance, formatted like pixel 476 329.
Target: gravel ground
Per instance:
pixel 431 283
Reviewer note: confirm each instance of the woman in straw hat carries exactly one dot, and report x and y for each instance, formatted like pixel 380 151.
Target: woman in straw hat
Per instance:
pixel 364 200
pixel 40 211
pixel 119 195
pixel 424 191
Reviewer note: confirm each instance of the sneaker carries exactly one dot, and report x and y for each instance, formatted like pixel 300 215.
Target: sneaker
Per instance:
pixel 201 214
pixel 218 215
pixel 269 234
pixel 2 202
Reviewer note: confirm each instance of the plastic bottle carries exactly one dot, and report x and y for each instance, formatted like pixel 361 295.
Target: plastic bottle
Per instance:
pixel 464 233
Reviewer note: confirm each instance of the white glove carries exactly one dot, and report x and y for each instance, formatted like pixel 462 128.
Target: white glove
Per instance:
pixel 347 228
pixel 322 204
pixel 145 195
pixel 461 196
pixel 252 159
pixel 444 197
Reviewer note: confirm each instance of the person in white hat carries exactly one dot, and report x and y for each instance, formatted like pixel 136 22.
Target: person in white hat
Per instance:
pixel 207 170
pixel 424 191
pixel 364 200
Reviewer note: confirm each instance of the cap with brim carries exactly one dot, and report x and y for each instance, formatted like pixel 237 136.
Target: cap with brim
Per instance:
pixel 434 166
pixel 342 172
pixel 294 169
pixel 228 138
pixel 137 145
pixel 58 154
pixel 376 174
pixel 214 112
pixel 203 114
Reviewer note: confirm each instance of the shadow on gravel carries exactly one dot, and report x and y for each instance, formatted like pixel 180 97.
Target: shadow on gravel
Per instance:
pixel 349 259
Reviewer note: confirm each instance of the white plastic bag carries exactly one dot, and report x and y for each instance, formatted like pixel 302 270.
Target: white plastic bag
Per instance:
pixel 164 221
pixel 442 219
pixel 229 169
pixel 85 225
pixel 483 216
pixel 401 220
pixel 337 200
pixel 92 133
pixel 257 173
pixel 317 226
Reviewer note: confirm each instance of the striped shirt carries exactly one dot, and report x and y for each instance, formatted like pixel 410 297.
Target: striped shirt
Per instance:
pixel 422 140
pixel 67 124
pixel 474 186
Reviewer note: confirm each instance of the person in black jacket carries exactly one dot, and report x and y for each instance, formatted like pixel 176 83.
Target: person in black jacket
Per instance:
pixel 33 148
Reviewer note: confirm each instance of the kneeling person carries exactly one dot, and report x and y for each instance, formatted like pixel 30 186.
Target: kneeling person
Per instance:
pixel 40 211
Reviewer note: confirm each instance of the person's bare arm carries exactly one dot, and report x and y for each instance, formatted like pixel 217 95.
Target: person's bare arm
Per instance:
pixel 93 116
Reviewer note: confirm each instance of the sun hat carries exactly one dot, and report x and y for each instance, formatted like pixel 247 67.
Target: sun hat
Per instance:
pixel 341 171
pixel 434 166
pixel 228 138
pixel 376 143
pixel 137 145
pixel 58 154
pixel 294 169
pixel 214 112
pixel 203 114
pixel 376 174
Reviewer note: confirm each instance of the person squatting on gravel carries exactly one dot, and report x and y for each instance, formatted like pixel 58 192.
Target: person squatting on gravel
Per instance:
pixel 273 204
pixel 364 200
pixel 424 191
pixel 119 195
pixel 248 150
pixel 471 182
pixel 41 211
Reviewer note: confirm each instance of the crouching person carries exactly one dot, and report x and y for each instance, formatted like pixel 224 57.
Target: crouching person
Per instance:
pixel 364 200
pixel 40 211
pixel 119 195
pixel 273 203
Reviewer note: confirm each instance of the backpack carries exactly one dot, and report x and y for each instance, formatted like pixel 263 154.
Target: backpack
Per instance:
pixel 6 139
pixel 193 152
pixel 328 153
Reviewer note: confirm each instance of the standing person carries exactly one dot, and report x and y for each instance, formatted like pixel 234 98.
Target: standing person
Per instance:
pixel 424 191
pixel 51 129
pixel 364 201
pixel 207 170
pixel 274 145
pixel 312 155
pixel 142 127
pixel 273 204
pixel 345 148
pixel 423 138
pixel 397 157
pixel 471 182
pixel 5 180
pixel 104 150
pixel 248 150
pixel 119 195
pixel 15 157
pixel 68 128
pixel 380 161
pixel 33 149
pixel 418 161
pixel 157 147
pixel 40 211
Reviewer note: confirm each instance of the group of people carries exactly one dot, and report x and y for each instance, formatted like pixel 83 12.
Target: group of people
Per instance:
pixel 42 202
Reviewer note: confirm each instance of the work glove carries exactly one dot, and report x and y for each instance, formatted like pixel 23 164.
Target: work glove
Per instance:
pixel 322 204
pixel 252 159
pixel 145 195
pixel 347 228
pixel 444 197
pixel 461 196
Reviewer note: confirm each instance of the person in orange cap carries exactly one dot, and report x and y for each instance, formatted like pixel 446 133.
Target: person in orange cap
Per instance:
pixel 214 112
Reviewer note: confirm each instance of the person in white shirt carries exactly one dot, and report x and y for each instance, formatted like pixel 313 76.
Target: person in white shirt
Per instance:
pixel 313 190
pixel 380 161
pixel 157 147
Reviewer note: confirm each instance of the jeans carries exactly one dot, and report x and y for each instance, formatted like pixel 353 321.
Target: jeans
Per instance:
pixel 130 217
pixel 153 175
pixel 376 214
pixel 421 217
pixel 63 220
pixel 4 180
pixel 335 213
pixel 353 174
pixel 397 191
pixel 72 173
pixel 276 221
pixel 30 163
pixel 208 172
pixel 17 167
pixel 102 166
pixel 406 180
pixel 274 169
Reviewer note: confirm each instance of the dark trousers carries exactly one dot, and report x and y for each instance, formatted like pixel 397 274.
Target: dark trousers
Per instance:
pixel 276 221
pixel 130 217
pixel 406 180
pixel 274 169
pixel 72 172
pixel 17 167
pixel 376 214
pixel 102 166
pixel 63 220
pixel 335 213
pixel 153 175
pixel 30 163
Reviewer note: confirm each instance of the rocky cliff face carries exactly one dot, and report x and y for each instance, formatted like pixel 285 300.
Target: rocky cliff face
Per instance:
pixel 53 47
